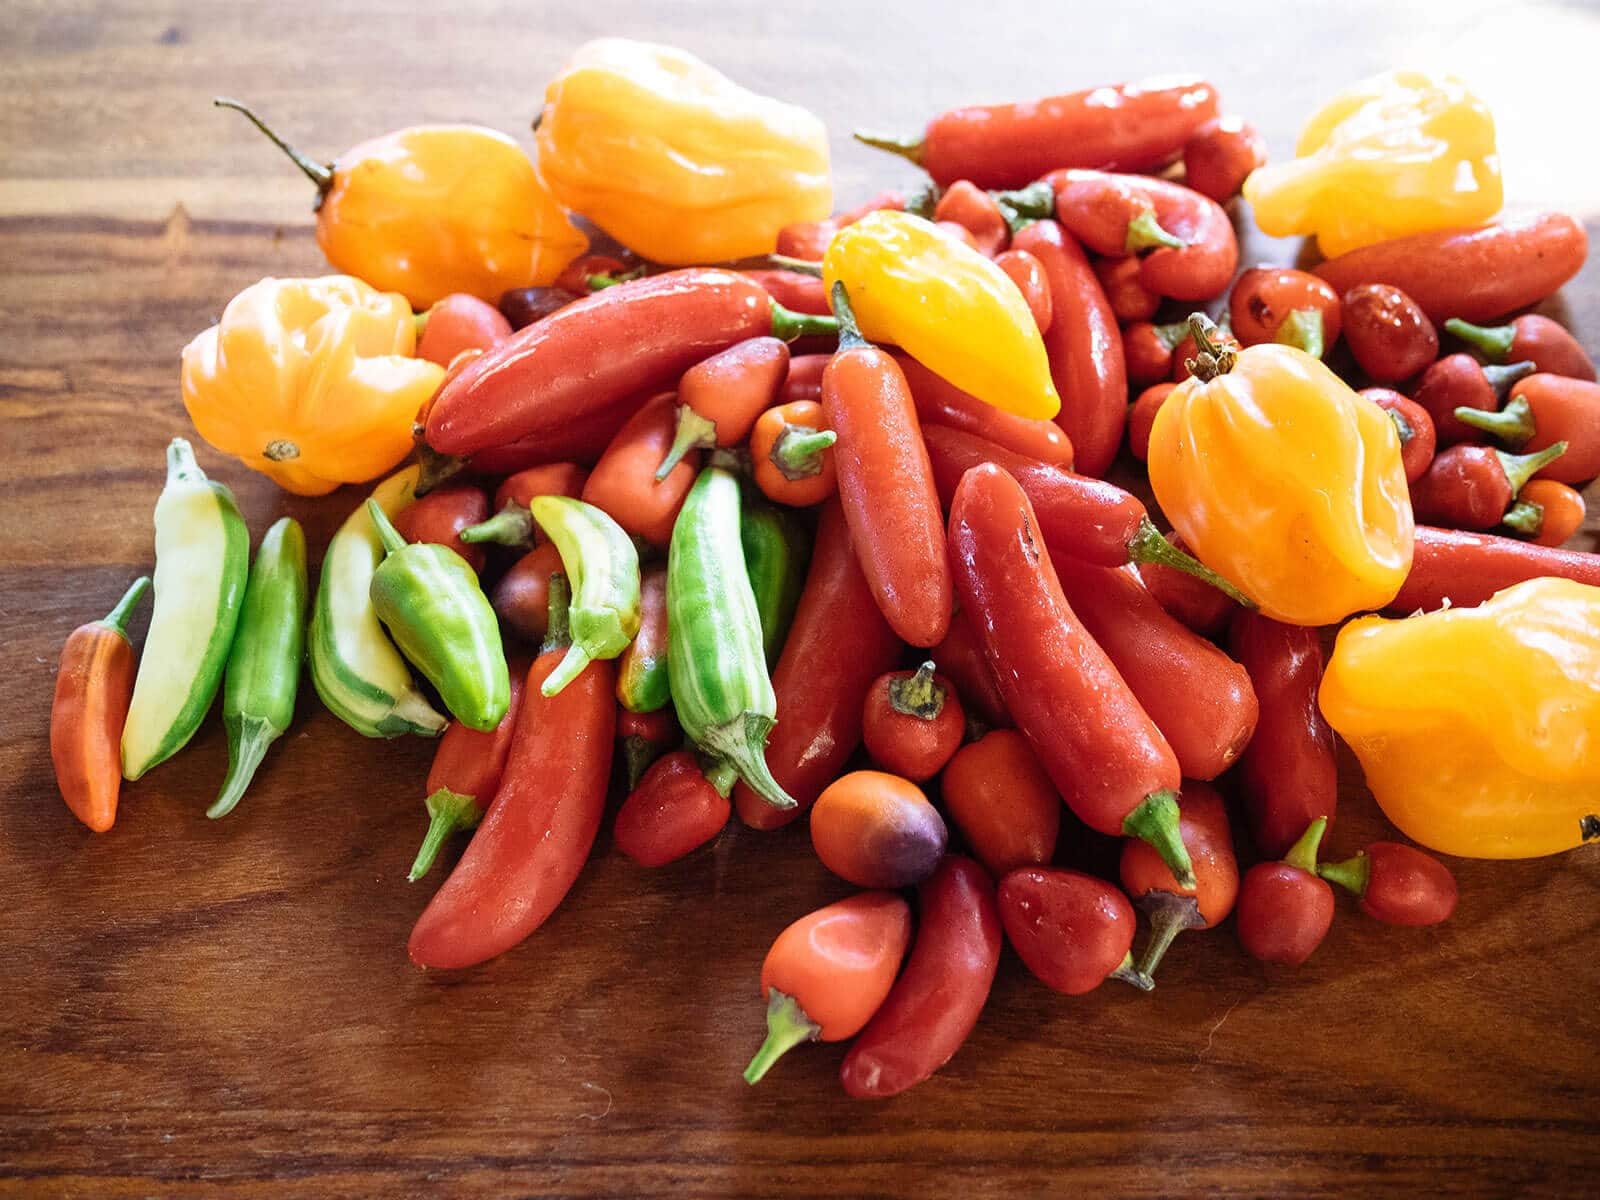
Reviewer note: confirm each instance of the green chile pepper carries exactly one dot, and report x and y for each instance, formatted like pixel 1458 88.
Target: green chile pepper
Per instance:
pixel 202 561
pixel 429 599
pixel 602 566
pixel 776 553
pixel 642 682
pixel 715 659
pixel 354 666
pixel 263 674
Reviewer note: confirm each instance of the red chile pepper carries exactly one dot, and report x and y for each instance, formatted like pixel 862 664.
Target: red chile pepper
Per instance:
pixel 912 722
pixel 1198 697
pixel 1280 304
pixel 1460 381
pixel 804 380
pixel 1449 565
pixel 960 656
pixel 1529 338
pixel 1390 337
pixel 1148 350
pixel 1471 487
pixel 940 402
pixel 719 399
pixel 797 292
pixel 644 737
pixel 886 484
pixel 942 990
pixel 1071 930
pixel 809 240
pixel 623 482
pixel 1288 772
pixel 635 336
pixel 521 597
pixel 1085 348
pixel 1284 909
pixel 1192 601
pixel 512 523
pixel 541 824
pixel 838 644
pixel 1171 907
pixel 1142 415
pixel 1220 155
pixel 1414 425
pixel 1397 884
pixel 582 440
pixel 1027 272
pixel 1474 274
pixel 1128 127
pixel 1130 300
pixel 523 306
pixel 1086 518
pixel 672 811
pixel 577 276
pixel 1103 752
pixel 969 206
pixel 1002 802
pixel 1110 214
pixel 459 322
pixel 440 517
pixel 1545 410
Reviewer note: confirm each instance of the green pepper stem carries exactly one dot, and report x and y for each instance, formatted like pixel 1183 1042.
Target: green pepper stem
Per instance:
pixel 1302 329
pixel 419 322
pixel 568 669
pixel 1401 425
pixel 1512 426
pixel 1134 976
pixel 787 1027
pixel 923 201
pixel 1303 853
pixel 1213 356
pixel 558 629
pixel 1156 821
pixel 1520 468
pixel 1501 378
pixel 849 332
pixel 447 812
pixel 1353 874
pixel 694 432
pixel 511 526
pixel 741 743
pixel 1023 206
pixel 722 777
pixel 800 266
pixel 320 174
pixel 117 619
pixel 789 326
pixel 1524 517
pixel 917 695
pixel 387 533
pixel 434 468
pixel 181 464
pixel 637 755
pixel 1149 545
pixel 1146 233
pixel 244 755
pixel 1171 335
pixel 797 452
pixel 1170 914
pixel 1492 341
pixel 905 147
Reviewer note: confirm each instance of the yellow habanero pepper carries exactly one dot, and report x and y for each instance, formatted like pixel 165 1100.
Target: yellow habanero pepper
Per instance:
pixel 1479 728
pixel 1398 154
pixel 947 306
pixel 1284 481
pixel 436 209
pixel 675 160
pixel 310 381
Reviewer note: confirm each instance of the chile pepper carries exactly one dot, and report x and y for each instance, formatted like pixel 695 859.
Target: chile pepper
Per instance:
pixel 797 291
pixel 1551 512
pixel 673 810
pixel 1110 214
pixel 263 672
pixel 459 322
pixel 1148 351
pixel 1027 272
pixel 1414 425
pixel 775 554
pixel 838 644
pixel 1101 749
pixel 466 773
pixel 623 482
pixel 1475 274
pixel 1084 346
pixel 790 451
pixel 1288 772
pixel 1142 415
pixel 937 999
pixel 521 307
pixel 961 658
pixel 804 380
pixel 1396 884
pixel 1459 381
pixel 1390 337
pixel 1198 697
pixel 719 399
pixel 202 562
pixel 1130 300
pixel 1071 930
pixel 1529 338
pixel 583 440
pixel 1459 568
pixel 827 973
pixel 1219 156
pixel 1284 908
pixel 1546 409
pixel 912 722
pixel 573 361
pixel 886 484
pixel 429 599
pixel 512 523
pixel 602 568
pixel 1171 907
pixel 642 685
pixel 877 830
pixel 1002 802
pixel 354 666
pixel 969 206
pixel 1085 518
pixel 442 516
pixel 1280 304
pixel 1127 127
pixel 645 737
pixel 538 830
pixel 1471 487
pixel 578 276
pixel 93 686
pixel 1195 603
pixel 718 673
pixel 940 402
pixel 808 240
pixel 521 597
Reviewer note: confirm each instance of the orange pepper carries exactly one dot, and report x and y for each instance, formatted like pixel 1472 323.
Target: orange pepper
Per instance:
pixel 1003 802
pixel 720 398
pixel 1552 511
pixel 790 450
pixel 874 829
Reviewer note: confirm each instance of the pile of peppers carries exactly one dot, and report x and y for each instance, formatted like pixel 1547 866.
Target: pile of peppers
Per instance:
pixel 757 507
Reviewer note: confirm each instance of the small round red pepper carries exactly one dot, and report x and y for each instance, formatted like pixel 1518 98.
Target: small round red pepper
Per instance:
pixel 1529 338
pixel 1414 425
pixel 1219 156
pixel 1397 884
pixel 1460 381
pixel 1281 304
pixel 1387 332
pixel 1071 930
pixel 1284 909
pixel 672 811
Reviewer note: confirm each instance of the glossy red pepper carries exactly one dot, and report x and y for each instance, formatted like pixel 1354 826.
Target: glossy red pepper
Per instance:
pixel 1194 602
pixel 521 597
pixel 719 399
pixel 460 322
pixel 886 485
pixel 1414 425
pixel 1461 568
pixel 1475 274
pixel 1071 930
pixel 1002 802
pixel 809 240
pixel 1130 300
pixel 940 402
pixel 581 440
pixel 1171 907
pixel 797 291
pixel 1281 304
pixel 1397 884
pixel 512 523
pixel 960 656
pixel 1460 381
pixel 1142 415
pixel 644 737
pixel 521 307
pixel 1471 487
pixel 441 515
pixel 912 722
pixel 577 275
pixel 1288 773
pixel 1389 335
pixel 1085 348
pixel 804 380
pixel 1101 749
pixel 942 990
pixel 624 482
pixel 972 208
pixel 1220 155
pixel 838 644
pixel 671 812
pixel 1529 338
pixel 1148 350
pixel 1544 410
pixel 1284 909
pixel 1110 214
pixel 1027 272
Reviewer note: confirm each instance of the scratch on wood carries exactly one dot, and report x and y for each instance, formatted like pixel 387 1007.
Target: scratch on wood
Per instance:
pixel 603 1113
pixel 1212 1036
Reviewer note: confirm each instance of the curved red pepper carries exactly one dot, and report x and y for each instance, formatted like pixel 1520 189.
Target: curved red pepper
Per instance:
pixel 1027 272
pixel 961 657
pixel 672 811
pixel 1461 568
pixel 582 440
pixel 1530 338
pixel 1192 601
pixel 940 402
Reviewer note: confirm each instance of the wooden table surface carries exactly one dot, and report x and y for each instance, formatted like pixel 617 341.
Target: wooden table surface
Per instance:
pixel 196 1008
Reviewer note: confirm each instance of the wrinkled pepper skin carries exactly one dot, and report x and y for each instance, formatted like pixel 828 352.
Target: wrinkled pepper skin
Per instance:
pixel 1475 726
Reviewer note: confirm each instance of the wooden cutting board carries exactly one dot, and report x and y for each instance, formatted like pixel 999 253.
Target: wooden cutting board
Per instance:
pixel 225 1009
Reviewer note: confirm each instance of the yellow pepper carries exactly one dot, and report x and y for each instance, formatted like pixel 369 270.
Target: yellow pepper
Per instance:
pixel 436 209
pixel 1479 728
pixel 310 381
pixel 1398 154
pixel 1284 481
pixel 675 160
pixel 947 306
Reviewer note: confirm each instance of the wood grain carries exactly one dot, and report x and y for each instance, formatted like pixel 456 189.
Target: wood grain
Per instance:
pixel 194 1008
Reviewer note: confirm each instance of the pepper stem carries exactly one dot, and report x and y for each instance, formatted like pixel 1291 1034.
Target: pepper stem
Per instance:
pixel 1492 341
pixel 568 669
pixel 1403 426
pixel 1524 517
pixel 787 1027
pixel 849 332
pixel 924 200
pixel 1145 233
pixel 1129 974
pixel 387 533
pixel 1170 914
pixel 1023 206
pixel 789 326
pixel 181 465
pixel 722 777
pixel 1501 378
pixel 447 812
pixel 694 432
pixel 800 266
pixel 1302 329
pixel 1512 426
pixel 1352 874
pixel 741 743
pixel 917 695
pixel 1303 853
pixel 1149 545
pixel 905 147
pixel 511 526
pixel 1213 356
pixel 320 174
pixel 1520 468
pixel 1156 821
pixel 117 619
pixel 558 628
pixel 244 756
pixel 797 452
pixel 434 468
